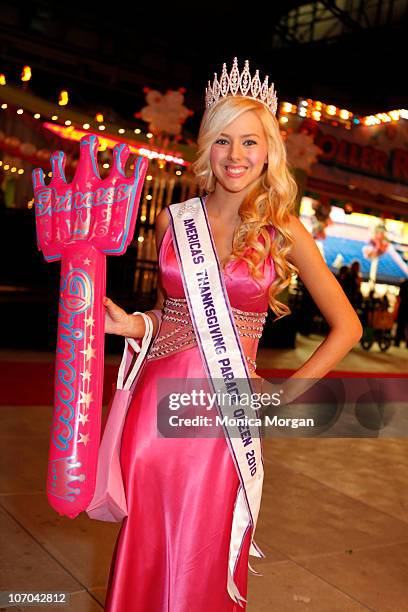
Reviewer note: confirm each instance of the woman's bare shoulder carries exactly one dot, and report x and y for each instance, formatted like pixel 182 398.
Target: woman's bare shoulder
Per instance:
pixel 162 223
pixel 163 218
pixel 302 239
pixel 294 222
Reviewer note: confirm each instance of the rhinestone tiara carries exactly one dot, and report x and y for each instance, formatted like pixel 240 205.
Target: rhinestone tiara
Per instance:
pixel 243 84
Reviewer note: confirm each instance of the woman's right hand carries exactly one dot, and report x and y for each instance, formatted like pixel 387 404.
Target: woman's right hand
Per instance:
pixel 116 319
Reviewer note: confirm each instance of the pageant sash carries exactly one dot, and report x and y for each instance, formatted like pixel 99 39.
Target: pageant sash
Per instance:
pixel 225 365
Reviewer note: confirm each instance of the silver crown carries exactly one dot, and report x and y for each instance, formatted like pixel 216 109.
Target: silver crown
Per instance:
pixel 243 84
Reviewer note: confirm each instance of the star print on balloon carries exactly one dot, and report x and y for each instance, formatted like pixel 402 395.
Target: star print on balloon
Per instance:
pixel 86 375
pixel 164 113
pixel 83 418
pixel 80 223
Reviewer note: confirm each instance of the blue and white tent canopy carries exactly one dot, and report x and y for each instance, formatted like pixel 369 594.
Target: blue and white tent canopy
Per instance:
pixel 392 269
pixel 345 242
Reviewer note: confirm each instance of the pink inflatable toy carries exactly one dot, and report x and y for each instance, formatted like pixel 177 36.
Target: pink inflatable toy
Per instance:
pixel 80 223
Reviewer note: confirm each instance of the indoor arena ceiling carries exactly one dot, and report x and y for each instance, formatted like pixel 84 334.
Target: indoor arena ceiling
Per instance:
pixel 349 53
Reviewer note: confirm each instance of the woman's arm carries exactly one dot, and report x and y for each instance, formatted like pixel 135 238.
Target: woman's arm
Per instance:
pixel 345 327
pixel 117 321
pixel 136 324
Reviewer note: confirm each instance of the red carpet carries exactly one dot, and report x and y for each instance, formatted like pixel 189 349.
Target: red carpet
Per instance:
pixel 31 383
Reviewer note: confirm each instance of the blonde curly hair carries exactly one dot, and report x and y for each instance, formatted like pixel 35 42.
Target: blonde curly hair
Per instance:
pixel 270 202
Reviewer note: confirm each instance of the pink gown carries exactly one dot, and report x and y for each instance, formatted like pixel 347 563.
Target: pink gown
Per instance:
pixel 171 554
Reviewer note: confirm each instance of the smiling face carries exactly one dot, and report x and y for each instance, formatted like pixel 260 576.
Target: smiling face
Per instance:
pixel 239 153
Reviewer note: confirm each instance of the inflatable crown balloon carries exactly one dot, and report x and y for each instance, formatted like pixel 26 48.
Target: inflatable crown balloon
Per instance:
pixel 80 223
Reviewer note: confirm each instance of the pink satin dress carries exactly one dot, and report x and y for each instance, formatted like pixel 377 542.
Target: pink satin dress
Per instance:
pixel 172 550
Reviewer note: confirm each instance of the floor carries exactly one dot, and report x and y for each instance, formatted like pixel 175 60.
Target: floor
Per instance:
pixel 333 522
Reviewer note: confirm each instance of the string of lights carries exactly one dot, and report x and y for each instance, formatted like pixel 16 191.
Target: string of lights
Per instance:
pixel 329 113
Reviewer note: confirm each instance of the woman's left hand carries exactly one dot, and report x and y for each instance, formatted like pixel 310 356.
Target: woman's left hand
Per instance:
pixel 259 379
pixel 254 375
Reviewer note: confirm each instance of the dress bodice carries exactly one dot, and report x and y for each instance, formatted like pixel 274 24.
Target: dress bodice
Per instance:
pixel 244 292
pixel 248 299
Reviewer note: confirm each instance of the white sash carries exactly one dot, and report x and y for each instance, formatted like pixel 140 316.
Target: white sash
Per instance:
pixel 225 364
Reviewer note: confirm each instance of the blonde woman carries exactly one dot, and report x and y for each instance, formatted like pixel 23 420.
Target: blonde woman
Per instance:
pixel 173 550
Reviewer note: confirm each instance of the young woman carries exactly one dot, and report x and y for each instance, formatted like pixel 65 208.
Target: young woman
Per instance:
pixel 172 551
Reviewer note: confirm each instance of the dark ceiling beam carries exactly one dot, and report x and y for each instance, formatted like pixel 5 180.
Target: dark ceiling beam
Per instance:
pixel 343 16
pixel 285 33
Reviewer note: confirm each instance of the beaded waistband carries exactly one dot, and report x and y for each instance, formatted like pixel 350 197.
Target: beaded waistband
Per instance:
pixel 182 335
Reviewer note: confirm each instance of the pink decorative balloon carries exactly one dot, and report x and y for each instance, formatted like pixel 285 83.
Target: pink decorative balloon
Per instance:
pixel 80 223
